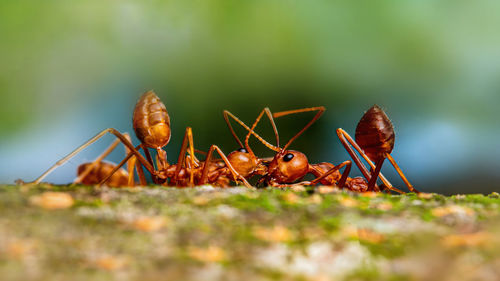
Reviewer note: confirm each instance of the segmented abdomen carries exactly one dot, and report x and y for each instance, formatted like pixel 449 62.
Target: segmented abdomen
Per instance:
pixel 100 172
pixel 151 121
pixel 375 133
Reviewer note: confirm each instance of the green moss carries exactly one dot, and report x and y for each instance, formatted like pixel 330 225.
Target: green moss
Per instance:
pixel 366 273
pixel 101 223
pixel 330 224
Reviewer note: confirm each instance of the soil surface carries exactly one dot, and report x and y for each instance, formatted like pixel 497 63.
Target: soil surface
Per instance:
pixel 205 233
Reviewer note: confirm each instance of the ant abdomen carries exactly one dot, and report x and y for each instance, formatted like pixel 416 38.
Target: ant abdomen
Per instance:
pixel 151 121
pixel 100 171
pixel 375 134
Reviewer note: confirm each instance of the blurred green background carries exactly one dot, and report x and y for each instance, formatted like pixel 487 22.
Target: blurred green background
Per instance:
pixel 69 69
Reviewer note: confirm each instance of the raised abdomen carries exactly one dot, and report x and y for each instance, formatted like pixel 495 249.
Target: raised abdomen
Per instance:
pixel 375 133
pixel 151 121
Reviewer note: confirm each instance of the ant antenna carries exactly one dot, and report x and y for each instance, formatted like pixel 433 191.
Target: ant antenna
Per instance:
pixel 320 110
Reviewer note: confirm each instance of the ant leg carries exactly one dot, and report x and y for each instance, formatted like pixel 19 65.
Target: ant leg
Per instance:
pixel 206 166
pixel 140 172
pixel 374 176
pixel 340 183
pixel 156 179
pixel 138 166
pixel 130 169
pixel 403 177
pixel 130 164
pixel 116 168
pixel 187 141
pixel 345 174
pixel 342 136
pixel 343 178
pixel 90 167
pixel 226 115
pixel 273 183
pixel 196 160
pixel 117 134
pixel 200 152
pixel 347 141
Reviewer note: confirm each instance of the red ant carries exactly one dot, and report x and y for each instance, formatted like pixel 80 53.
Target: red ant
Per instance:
pixel 151 124
pixel 374 133
pixel 374 142
pixel 287 166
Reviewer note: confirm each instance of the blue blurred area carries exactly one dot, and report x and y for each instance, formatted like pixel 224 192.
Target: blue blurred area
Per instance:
pixel 69 70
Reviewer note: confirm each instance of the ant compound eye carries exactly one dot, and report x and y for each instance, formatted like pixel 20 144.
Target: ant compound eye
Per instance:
pixel 243 150
pixel 288 157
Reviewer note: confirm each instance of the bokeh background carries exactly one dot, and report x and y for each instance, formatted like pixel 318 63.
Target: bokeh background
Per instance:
pixel 69 69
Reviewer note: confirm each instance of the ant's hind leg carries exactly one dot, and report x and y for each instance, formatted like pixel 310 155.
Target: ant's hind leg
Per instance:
pixel 374 175
pixel 403 177
pixel 348 144
pixel 130 164
pixel 120 136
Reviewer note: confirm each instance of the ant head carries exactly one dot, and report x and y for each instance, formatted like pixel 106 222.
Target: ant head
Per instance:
pixel 288 166
pixel 243 161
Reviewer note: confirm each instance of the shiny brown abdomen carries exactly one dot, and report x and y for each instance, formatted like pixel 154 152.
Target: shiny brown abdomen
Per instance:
pixel 375 133
pixel 151 121
pixel 100 172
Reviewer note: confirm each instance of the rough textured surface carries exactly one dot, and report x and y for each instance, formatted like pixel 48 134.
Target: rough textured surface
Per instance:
pixel 79 233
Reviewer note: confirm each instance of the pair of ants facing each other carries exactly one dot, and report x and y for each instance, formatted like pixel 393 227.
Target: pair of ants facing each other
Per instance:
pixel 374 141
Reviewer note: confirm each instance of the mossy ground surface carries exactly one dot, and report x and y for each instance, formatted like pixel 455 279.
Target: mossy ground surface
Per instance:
pixel 206 233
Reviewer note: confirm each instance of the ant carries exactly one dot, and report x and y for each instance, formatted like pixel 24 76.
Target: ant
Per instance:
pixel 374 142
pixel 151 124
pixel 287 166
pixel 374 133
